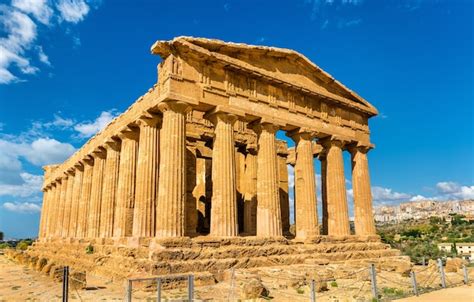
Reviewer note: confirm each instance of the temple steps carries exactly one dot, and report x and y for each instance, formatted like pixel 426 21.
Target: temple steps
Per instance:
pixel 208 257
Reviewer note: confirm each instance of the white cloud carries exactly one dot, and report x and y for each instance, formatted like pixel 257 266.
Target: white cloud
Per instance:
pixel 38 8
pixel 22 207
pixel 387 195
pixel 419 198
pixel 31 185
pixel 42 56
pixel 19 25
pixel 453 190
pixel 73 11
pixel 89 128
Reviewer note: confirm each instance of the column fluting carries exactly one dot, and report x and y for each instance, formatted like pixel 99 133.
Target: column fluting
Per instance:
pixel 109 190
pixel 363 215
pixel 93 225
pixel 224 198
pixel 305 185
pixel 123 224
pixel 146 178
pixel 84 203
pixel 61 206
pixel 68 204
pixel 76 199
pixel 250 195
pixel 172 181
pixel 338 214
pixel 268 199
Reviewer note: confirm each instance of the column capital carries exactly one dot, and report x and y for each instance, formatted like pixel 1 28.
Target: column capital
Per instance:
pixel 360 147
pixel 149 120
pixel 259 126
pixel 112 144
pixel 301 133
pixel 79 165
pixel 70 172
pixel 215 116
pixel 99 153
pixel 333 140
pixel 176 106
pixel 128 133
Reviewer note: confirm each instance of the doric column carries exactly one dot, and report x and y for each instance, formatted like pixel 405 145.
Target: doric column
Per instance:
pixel 305 185
pixel 268 199
pixel 338 215
pixel 61 206
pixel 250 194
pixel 93 224
pixel 123 223
pixel 284 189
pixel 224 200
pixel 54 209
pixel 86 190
pixel 190 211
pixel 76 199
pixel 146 180
pixel 363 215
pixel 109 190
pixel 324 202
pixel 68 204
pixel 44 212
pixel 172 181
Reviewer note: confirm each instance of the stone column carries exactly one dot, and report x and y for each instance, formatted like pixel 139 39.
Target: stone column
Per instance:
pixel 54 209
pixel 283 191
pixel 190 213
pixel 76 199
pixel 44 214
pixel 86 190
pixel 250 195
pixel 172 181
pixel 305 184
pixel 363 215
pixel 68 204
pixel 224 199
pixel 93 225
pixel 61 206
pixel 146 178
pixel 322 159
pixel 338 215
pixel 123 223
pixel 268 199
pixel 109 189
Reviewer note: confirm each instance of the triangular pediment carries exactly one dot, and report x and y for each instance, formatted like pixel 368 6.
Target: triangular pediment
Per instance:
pixel 285 65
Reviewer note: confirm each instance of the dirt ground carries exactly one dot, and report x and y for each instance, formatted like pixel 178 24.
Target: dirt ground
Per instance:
pixel 20 283
pixel 463 293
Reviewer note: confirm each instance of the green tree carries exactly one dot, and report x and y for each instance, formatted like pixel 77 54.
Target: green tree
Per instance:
pixel 1 235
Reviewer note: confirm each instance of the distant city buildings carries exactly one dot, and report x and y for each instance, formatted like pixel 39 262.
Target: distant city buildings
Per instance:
pixel 424 209
pixel 464 250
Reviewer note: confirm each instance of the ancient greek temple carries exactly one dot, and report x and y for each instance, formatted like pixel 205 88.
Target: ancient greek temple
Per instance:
pixel 197 155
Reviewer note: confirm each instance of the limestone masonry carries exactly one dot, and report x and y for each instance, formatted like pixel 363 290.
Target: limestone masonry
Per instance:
pixel 197 157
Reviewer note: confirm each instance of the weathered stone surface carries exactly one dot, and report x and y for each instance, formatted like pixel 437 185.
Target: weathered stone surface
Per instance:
pixel 454 264
pixel 197 157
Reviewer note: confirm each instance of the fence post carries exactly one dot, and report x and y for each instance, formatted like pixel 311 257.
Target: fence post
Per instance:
pixel 158 289
pixel 190 288
pixel 424 261
pixel 128 291
pixel 65 283
pixel 373 280
pixel 313 291
pixel 413 283
pixel 466 275
pixel 441 272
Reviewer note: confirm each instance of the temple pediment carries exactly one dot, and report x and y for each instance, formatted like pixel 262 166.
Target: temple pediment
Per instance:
pixel 282 66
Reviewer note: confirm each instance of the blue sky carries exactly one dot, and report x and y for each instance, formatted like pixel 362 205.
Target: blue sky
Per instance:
pixel 69 66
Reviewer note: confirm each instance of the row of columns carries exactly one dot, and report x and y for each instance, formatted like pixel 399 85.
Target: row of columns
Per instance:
pixel 135 186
